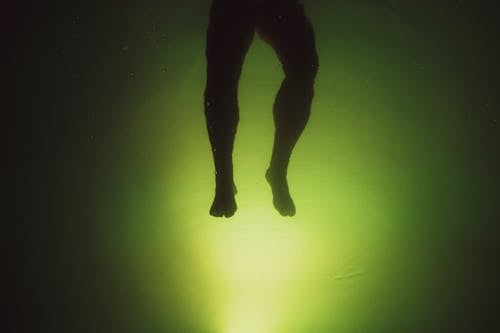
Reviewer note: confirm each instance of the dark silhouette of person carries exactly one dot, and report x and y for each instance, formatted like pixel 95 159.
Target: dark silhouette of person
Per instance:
pixel 285 27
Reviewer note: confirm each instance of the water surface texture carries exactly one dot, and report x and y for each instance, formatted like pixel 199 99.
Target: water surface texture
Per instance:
pixel 395 178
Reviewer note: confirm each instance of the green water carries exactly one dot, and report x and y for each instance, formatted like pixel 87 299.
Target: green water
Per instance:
pixel 395 178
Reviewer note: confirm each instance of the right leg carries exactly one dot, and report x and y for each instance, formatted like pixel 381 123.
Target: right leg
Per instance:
pixel 229 36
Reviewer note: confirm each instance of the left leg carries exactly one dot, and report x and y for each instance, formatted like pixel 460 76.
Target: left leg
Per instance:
pixel 286 28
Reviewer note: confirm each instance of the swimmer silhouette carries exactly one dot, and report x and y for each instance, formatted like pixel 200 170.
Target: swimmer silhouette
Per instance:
pixel 285 27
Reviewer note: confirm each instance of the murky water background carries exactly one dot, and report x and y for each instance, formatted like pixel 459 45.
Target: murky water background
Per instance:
pixel 395 178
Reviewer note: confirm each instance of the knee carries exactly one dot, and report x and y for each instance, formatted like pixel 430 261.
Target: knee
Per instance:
pixel 303 71
pixel 220 99
pixel 221 106
pixel 221 85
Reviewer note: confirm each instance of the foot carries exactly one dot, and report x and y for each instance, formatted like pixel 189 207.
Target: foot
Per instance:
pixel 224 203
pixel 281 196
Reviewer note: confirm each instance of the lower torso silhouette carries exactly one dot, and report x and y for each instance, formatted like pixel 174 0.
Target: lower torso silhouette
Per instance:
pixel 285 27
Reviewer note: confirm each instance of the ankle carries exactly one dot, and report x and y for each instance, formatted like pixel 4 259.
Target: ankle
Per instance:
pixel 224 186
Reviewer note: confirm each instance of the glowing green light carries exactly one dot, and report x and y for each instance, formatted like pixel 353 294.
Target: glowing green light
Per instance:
pixel 344 262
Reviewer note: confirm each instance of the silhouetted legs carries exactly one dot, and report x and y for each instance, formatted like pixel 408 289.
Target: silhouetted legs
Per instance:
pixel 285 27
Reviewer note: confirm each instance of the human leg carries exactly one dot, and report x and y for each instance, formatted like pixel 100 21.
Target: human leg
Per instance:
pixel 286 28
pixel 229 36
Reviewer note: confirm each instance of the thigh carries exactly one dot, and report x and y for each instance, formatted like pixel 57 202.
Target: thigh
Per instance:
pixel 229 35
pixel 284 25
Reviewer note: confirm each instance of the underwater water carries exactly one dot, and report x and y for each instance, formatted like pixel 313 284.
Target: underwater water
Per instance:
pixel 395 178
